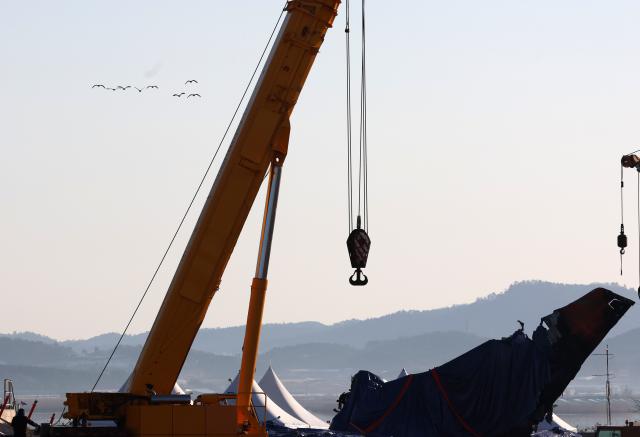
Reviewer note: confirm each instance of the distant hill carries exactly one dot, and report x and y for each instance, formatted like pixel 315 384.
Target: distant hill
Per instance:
pixel 624 362
pixel 18 352
pixel 318 368
pixel 52 380
pixel 30 336
pixel 492 316
pixel 314 357
pixel 105 341
pixel 418 353
pixel 38 367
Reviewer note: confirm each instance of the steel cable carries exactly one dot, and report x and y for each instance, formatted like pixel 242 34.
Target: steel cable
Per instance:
pixel 347 31
pixel 184 216
pixel 363 202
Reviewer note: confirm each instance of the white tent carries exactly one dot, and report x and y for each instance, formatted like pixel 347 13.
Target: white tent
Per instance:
pixel 176 390
pixel 278 393
pixel 556 422
pixel 272 413
pixel 403 373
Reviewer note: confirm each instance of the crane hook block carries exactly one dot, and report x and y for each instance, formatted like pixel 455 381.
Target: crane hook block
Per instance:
pixel 358 244
pixel 622 240
pixel 630 161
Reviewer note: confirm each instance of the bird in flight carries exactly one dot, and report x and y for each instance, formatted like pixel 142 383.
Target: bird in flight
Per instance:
pixel 123 87
pixel 178 95
pixel 191 81
pixel 194 95
pixel 139 90
pixel 99 86
pixel 112 89
pixel 152 86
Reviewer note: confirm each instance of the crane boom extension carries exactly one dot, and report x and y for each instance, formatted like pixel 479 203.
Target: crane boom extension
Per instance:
pixel 265 121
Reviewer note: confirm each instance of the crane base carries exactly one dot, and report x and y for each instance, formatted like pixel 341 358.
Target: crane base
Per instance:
pixel 211 415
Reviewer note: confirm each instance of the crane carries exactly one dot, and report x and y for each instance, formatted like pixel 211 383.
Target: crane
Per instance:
pixel 259 145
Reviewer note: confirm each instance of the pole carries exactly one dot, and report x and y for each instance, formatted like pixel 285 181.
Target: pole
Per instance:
pixel 33 407
pixel 4 404
pixel 608 390
pixel 258 294
pixel 607 386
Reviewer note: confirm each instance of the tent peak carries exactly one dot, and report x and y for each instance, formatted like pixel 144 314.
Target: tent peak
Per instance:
pixel 403 373
pixel 278 394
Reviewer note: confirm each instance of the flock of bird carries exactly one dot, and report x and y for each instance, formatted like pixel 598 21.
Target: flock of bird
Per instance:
pixel 150 87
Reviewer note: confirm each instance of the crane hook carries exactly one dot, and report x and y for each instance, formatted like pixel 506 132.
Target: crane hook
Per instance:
pixel 622 240
pixel 358 244
pixel 360 278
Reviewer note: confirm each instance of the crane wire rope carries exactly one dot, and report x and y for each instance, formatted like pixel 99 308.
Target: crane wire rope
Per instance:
pixel 199 187
pixel 347 31
pixel 363 192
pixel 621 211
pixel 363 175
pixel 358 241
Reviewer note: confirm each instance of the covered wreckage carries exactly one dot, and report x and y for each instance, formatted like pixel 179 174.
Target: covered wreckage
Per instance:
pixel 500 388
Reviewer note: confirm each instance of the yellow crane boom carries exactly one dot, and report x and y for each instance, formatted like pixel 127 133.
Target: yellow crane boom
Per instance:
pixel 260 141
pixel 262 131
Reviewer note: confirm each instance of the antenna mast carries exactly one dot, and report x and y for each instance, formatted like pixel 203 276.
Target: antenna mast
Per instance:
pixel 607 383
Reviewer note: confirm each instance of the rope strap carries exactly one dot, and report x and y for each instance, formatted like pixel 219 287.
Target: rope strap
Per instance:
pixel 465 425
pixel 376 423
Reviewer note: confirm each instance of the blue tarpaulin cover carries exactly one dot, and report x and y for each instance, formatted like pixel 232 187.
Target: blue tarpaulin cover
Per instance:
pixel 500 388
pixel 473 393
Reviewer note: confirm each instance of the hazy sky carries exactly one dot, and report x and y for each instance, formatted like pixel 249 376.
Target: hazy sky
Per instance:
pixel 496 129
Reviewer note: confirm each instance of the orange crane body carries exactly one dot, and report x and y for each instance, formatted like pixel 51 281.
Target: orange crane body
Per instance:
pixel 260 141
